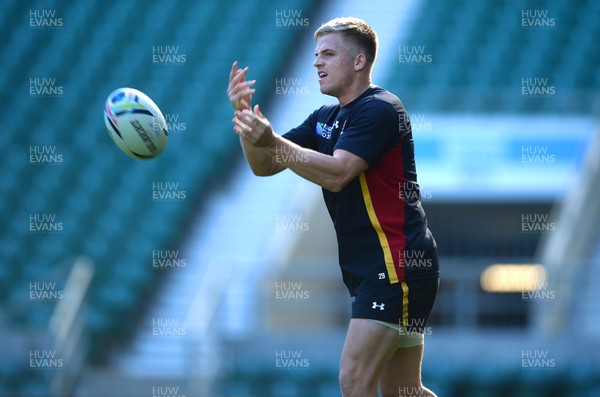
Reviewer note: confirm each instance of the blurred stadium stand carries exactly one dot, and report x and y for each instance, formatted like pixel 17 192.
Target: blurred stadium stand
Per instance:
pixel 225 298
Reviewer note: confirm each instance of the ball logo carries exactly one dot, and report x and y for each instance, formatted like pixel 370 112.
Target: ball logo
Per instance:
pixel 144 135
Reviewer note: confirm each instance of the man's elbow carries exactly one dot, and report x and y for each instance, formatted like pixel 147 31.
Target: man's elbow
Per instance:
pixel 266 170
pixel 336 184
pixel 261 172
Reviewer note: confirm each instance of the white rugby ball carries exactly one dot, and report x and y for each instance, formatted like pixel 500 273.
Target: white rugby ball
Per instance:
pixel 135 123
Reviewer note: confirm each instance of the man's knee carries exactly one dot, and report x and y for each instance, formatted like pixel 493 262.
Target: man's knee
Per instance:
pixel 356 382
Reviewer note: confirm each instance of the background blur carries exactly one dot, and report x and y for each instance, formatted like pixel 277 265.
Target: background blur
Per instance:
pixel 187 276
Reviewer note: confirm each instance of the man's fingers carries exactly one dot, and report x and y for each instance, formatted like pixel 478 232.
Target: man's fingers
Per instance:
pixel 257 111
pixel 242 122
pixel 236 72
pixel 244 84
pixel 238 131
pixel 233 70
pixel 235 89
pixel 239 75
pixel 237 93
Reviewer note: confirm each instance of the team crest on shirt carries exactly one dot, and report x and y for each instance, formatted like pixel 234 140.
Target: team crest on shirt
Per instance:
pixel 324 131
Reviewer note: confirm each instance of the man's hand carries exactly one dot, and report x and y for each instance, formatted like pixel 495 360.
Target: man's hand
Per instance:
pixel 253 127
pixel 239 90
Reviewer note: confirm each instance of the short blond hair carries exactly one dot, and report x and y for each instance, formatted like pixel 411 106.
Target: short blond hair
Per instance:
pixel 355 29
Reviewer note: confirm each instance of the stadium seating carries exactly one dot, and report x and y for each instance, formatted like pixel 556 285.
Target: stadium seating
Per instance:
pixel 102 198
pixel 480 51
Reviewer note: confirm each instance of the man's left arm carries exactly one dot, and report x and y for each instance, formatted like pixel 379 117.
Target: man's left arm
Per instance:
pixel 330 172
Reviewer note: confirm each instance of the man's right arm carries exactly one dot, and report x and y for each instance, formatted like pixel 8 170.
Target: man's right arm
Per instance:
pixel 261 163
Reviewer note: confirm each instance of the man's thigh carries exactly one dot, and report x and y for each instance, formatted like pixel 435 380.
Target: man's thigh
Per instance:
pixel 367 349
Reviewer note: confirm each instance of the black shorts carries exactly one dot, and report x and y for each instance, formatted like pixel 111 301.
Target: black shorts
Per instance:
pixel 407 303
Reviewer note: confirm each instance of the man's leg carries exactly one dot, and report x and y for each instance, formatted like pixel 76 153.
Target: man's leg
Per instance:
pixel 367 350
pixel 402 375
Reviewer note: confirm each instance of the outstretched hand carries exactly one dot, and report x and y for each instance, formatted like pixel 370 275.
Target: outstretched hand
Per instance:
pixel 254 127
pixel 239 90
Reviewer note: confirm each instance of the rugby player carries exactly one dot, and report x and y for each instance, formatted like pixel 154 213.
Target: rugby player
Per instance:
pixel 360 151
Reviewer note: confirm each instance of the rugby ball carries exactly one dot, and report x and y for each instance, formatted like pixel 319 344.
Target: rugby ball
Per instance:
pixel 135 123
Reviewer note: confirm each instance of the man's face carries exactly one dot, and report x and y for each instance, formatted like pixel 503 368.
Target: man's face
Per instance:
pixel 334 63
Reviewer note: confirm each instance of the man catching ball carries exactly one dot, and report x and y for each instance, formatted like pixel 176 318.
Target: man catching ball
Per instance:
pixel 361 153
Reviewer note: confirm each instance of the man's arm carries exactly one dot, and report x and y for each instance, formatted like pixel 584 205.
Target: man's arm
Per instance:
pixel 240 93
pixel 260 161
pixel 330 172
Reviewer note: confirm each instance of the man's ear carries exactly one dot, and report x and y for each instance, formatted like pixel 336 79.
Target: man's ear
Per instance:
pixel 360 62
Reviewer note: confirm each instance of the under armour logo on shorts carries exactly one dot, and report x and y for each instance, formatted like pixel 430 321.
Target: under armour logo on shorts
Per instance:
pixel 380 306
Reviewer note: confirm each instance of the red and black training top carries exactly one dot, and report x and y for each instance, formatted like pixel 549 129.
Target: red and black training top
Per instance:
pixel 380 224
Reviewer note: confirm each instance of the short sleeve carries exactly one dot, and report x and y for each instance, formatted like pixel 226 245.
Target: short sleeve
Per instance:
pixel 373 130
pixel 304 134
